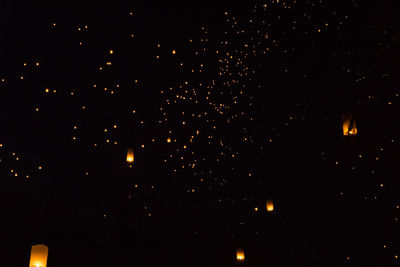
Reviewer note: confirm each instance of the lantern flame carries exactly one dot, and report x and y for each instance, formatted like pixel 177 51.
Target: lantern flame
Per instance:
pixel 270 205
pixel 129 155
pixel 240 254
pixel 353 130
pixel 349 125
pixel 346 125
pixel 39 256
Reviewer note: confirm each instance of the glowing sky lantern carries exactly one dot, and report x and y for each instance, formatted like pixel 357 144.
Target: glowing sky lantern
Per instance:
pixel 346 127
pixel 353 130
pixel 270 205
pixel 173 52
pixel 130 156
pixel 168 140
pixel 38 256
pixel 349 125
pixel 240 255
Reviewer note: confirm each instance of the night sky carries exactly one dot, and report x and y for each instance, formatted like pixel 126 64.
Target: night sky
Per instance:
pixel 226 105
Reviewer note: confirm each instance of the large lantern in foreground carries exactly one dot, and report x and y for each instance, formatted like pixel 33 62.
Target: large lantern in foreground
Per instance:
pixel 39 256
pixel 129 155
pixel 270 205
pixel 240 255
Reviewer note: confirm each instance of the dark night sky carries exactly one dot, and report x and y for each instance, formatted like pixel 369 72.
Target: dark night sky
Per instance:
pixel 252 101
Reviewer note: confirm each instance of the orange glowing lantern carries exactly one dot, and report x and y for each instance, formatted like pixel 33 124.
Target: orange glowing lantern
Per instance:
pixel 39 256
pixel 353 130
pixel 349 125
pixel 240 255
pixel 270 205
pixel 346 125
pixel 130 156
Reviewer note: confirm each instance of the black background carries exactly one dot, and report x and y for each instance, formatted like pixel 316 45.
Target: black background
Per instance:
pixel 312 225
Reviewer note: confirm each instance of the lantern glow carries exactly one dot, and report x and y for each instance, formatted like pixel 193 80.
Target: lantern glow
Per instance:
pixel 38 256
pixel 240 254
pixel 129 155
pixel 346 125
pixel 349 125
pixel 270 205
pixel 353 130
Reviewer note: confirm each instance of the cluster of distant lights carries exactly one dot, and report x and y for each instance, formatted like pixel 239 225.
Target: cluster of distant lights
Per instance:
pixel 207 92
pixel 14 171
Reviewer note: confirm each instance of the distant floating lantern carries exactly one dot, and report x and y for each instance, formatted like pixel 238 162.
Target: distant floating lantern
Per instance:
pixel 173 52
pixel 349 125
pixel 346 125
pixel 130 156
pixel 240 255
pixel 270 205
pixel 39 256
pixel 353 130
pixel 168 140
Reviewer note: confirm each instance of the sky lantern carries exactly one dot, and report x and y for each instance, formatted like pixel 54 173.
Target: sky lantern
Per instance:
pixel 130 156
pixel 270 205
pixel 353 130
pixel 349 125
pixel 173 52
pixel 346 127
pixel 240 255
pixel 39 256
pixel 168 140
